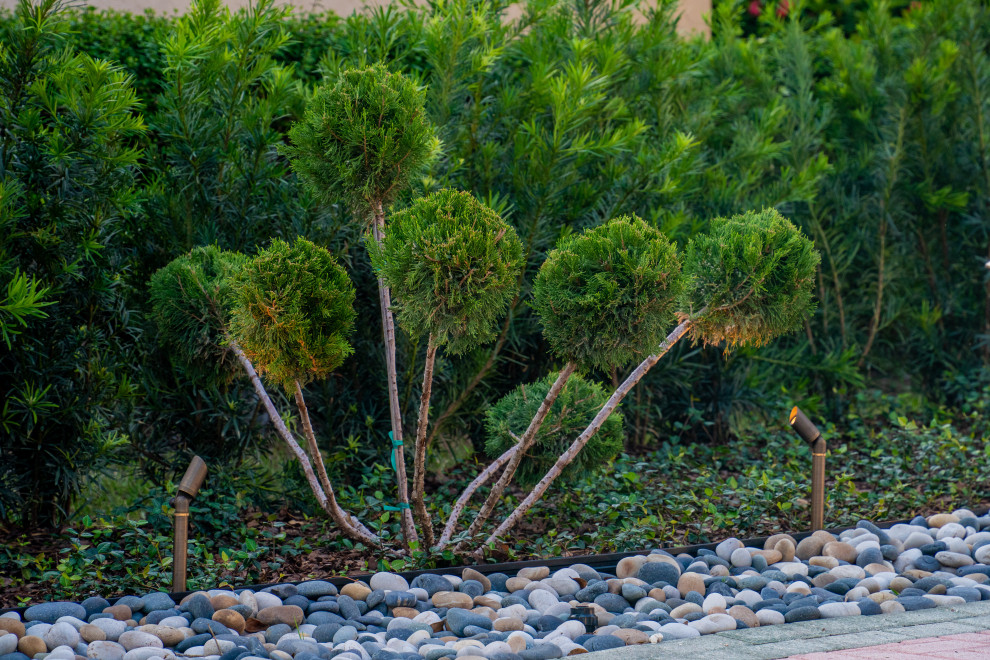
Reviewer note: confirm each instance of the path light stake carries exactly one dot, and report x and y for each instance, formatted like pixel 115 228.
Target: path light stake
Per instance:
pixel 586 615
pixel 804 428
pixel 188 488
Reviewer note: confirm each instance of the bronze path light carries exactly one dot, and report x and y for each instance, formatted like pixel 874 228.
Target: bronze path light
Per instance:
pixel 810 433
pixel 188 488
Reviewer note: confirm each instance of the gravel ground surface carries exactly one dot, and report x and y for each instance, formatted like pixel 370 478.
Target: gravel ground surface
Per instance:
pixel 654 598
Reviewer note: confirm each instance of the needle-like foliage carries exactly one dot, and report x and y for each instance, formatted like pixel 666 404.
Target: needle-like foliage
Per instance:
pixel 453 265
pixel 363 138
pixel 576 405
pixel 294 312
pixel 750 279
pixel 608 296
pixel 192 300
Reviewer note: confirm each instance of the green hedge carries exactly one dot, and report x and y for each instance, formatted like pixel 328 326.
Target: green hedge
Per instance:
pixel 871 135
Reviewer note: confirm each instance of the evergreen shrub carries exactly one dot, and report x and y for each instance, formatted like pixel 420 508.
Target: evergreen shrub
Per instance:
pixel 453 265
pixel 578 403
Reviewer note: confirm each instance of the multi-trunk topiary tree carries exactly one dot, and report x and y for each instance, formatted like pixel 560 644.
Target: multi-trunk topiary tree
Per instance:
pixel 362 141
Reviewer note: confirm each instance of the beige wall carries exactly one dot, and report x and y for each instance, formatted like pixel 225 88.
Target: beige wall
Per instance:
pixel 691 17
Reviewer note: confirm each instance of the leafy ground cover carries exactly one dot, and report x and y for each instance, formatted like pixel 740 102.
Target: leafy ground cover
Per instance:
pixel 889 458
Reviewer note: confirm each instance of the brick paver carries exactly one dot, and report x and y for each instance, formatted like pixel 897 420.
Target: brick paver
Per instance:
pixel 965 646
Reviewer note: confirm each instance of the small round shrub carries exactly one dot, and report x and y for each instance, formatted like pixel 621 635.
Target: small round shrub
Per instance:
pixel 453 266
pixel 608 296
pixel 750 278
pixel 578 403
pixel 294 312
pixel 363 138
pixel 191 300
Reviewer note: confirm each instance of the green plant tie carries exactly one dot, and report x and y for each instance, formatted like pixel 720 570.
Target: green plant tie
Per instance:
pixel 395 445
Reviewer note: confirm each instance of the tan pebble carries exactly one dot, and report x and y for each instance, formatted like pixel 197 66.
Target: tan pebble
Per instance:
pixel 356 590
pixel 840 550
pixel 881 597
pixel 681 611
pixel 772 541
pixel 404 612
pixel 917 574
pixel 873 569
pixel 718 571
pixel 487 601
pixel 658 595
pixel 291 615
pixel 942 519
pixel 12 626
pixel 979 577
pixel 635 581
pixel 91 633
pixel 629 566
pixel 891 606
pixel 785 547
pixel 937 590
pixel 30 645
pixel 823 580
pixel 277 655
pixel 798 588
pixel 826 562
pixel 899 584
pixel 516 584
pixel 534 572
pixel 614 585
pixel 119 612
pixel 745 615
pixel 467 643
pixel 223 601
pixel 870 585
pixel 517 643
pixel 809 547
pixel 631 636
pixel 507 624
pixel 772 556
pixel 691 582
pixel 230 618
pixel 169 636
pixel 471 574
pixel 452 599
pixel 485 611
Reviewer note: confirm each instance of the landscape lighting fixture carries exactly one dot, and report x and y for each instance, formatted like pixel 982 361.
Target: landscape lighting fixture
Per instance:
pixel 188 488
pixel 810 433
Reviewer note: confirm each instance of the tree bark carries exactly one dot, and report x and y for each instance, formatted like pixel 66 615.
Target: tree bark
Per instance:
pixel 525 443
pixel 348 523
pixel 419 465
pixel 465 497
pixel 587 434
pixel 388 332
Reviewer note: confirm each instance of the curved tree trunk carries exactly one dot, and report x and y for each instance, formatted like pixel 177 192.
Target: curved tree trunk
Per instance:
pixel 587 434
pixel 419 464
pixel 462 501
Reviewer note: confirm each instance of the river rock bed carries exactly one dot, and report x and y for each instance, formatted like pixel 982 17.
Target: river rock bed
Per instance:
pixel 941 560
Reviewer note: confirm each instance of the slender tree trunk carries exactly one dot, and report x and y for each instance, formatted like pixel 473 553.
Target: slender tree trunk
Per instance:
pixel 388 331
pixel 419 466
pixel 465 497
pixel 525 442
pixel 588 433
pixel 347 523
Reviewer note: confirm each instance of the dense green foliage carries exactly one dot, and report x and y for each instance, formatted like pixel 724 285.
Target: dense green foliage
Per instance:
pixel 453 266
pixel 363 138
pixel 751 278
pixel 192 300
pixel 869 134
pixel 572 411
pixel 607 297
pixel 68 205
pixel 294 311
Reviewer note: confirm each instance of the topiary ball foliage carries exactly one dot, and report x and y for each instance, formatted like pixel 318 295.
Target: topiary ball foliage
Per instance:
pixel 751 278
pixel 191 303
pixel 608 296
pixel 453 266
pixel 578 403
pixel 294 312
pixel 363 138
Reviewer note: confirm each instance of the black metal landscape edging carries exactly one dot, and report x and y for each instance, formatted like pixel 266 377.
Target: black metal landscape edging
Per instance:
pixel 607 562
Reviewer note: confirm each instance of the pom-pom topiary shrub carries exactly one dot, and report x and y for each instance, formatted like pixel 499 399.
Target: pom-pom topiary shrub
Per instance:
pixel 364 138
pixel 453 264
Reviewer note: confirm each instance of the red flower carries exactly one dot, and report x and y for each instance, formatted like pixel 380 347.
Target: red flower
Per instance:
pixel 755 7
pixel 783 8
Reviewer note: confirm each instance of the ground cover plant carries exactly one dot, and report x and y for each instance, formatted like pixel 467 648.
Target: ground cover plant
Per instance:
pixel 869 135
